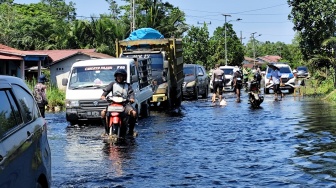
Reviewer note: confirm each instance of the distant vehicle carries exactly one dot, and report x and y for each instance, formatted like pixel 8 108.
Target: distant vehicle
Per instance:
pixel 196 81
pixel 287 77
pixel 228 72
pixel 25 158
pixel 302 72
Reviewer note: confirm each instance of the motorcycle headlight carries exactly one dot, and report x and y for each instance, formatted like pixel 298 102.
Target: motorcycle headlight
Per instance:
pixel 191 84
pixel 72 103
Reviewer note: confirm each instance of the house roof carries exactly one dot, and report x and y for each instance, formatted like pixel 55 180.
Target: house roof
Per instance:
pixel 9 57
pixel 9 53
pixel 59 55
pixel 270 58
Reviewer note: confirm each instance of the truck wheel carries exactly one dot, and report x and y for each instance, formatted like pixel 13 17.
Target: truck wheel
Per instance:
pixel 145 110
pixel 73 123
pixel 266 91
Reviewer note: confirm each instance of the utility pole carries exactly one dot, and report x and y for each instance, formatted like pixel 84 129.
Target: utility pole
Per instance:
pixel 225 15
pixel 254 51
pixel 241 37
pixel 133 16
pixel 254 62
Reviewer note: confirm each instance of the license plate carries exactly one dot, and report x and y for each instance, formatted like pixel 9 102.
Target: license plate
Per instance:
pixel 93 114
pixel 115 108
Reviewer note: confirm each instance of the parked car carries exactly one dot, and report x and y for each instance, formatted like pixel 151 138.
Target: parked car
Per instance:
pixel 228 72
pixel 287 78
pixel 196 81
pixel 302 72
pixel 25 158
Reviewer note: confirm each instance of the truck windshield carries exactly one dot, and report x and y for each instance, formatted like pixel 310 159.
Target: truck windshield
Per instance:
pixel 157 59
pixel 92 76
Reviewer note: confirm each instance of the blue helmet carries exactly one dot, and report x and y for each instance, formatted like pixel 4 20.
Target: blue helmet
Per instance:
pixel 42 79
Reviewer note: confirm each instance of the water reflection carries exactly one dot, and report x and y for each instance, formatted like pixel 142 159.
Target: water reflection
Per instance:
pixel 118 153
pixel 316 149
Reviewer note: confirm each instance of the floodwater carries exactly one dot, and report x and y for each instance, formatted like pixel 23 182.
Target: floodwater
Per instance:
pixel 288 143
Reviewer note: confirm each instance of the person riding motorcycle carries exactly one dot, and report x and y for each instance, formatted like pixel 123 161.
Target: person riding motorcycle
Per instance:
pixel 121 88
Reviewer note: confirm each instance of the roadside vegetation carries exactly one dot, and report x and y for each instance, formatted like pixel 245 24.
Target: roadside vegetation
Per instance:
pixel 54 24
pixel 56 97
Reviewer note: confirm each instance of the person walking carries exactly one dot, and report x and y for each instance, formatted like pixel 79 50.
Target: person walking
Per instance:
pixel 237 83
pixel 40 94
pixel 276 78
pixel 218 83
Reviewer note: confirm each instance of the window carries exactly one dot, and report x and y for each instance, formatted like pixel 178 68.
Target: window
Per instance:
pixel 27 104
pixel 9 113
pixel 200 71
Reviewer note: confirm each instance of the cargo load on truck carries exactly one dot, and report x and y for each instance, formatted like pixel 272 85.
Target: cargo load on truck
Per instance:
pixel 167 63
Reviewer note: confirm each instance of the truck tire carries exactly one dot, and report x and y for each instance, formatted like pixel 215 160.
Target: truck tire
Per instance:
pixel 145 110
pixel 73 123
pixel 266 91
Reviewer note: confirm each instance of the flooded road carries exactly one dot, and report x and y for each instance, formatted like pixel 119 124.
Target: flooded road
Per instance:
pixel 288 143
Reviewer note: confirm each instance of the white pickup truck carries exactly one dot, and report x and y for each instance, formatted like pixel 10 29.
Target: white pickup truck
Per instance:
pixel 88 78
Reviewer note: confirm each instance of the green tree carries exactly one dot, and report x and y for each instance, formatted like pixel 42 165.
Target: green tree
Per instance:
pixel 164 17
pixel 195 46
pixel 235 50
pixel 315 22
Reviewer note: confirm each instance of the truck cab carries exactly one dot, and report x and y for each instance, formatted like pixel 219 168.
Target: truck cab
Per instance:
pixel 88 78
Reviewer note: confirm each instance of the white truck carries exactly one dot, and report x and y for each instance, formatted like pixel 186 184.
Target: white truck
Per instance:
pixel 88 78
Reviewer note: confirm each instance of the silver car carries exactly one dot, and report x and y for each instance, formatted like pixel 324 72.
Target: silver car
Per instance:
pixel 25 158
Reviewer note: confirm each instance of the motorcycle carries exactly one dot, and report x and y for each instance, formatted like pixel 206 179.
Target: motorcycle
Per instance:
pixel 116 118
pixel 255 98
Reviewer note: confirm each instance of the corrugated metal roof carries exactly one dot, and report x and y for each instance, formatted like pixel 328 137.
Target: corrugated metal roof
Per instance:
pixel 9 57
pixel 59 55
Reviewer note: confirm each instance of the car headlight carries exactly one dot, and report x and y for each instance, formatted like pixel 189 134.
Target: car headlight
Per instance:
pixel 191 84
pixel 72 103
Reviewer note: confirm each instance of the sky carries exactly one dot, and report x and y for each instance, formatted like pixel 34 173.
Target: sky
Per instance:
pixel 268 19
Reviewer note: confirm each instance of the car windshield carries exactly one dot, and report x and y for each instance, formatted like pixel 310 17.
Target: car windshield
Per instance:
pixel 92 76
pixel 285 70
pixel 188 71
pixel 282 70
pixel 302 69
pixel 228 71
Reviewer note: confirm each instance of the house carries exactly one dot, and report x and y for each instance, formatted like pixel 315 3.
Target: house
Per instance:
pixel 269 58
pixel 259 61
pixel 19 63
pixel 60 62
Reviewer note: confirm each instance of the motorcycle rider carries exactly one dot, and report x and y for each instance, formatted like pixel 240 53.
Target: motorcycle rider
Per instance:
pixel 218 83
pixel 121 87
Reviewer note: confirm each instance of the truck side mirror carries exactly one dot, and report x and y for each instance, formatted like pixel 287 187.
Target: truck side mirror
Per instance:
pixel 134 78
pixel 165 64
pixel 64 81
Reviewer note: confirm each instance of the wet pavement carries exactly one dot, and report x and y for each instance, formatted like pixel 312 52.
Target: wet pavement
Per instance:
pixel 288 143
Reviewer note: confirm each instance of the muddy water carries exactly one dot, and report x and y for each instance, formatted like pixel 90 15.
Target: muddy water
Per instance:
pixel 290 143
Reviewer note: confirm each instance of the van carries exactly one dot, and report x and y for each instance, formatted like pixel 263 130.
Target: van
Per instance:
pixel 88 78
pixel 25 157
